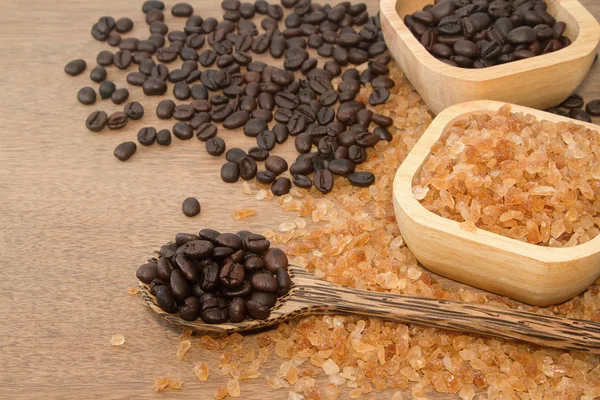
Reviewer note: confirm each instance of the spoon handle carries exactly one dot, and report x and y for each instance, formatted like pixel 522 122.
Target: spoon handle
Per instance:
pixel 540 329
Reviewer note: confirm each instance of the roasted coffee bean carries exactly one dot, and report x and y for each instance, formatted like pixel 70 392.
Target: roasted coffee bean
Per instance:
pixel 281 186
pixel 275 259
pixel 191 308
pixel 229 240
pixel 302 181
pixel 284 282
pixel 206 131
pixel 276 165
pixel 98 74
pixel 361 179
pixel 165 109
pixel 266 140
pixel 303 143
pixel 283 115
pixel 190 207
pixel 134 110
pixel 579 114
pixel 235 155
pixel 160 71
pixel 379 96
pixel 147 273
pixel 122 59
pixel 75 67
pixel 182 10
pixel 105 58
pixel 323 181
pixel 230 172
pixel 236 120
pixel 248 168
pixel 165 299
pixel 125 150
pixel 96 121
pixel 181 91
pixel 183 131
pixel 154 87
pixel 232 275
pixel 117 120
pixel 100 31
pixel 209 234
pixel 209 276
pixel 573 101
pixel 593 108
pixel 147 136
pixel 163 137
pixel 86 95
pixel 265 177
pixel 183 112
pixel 120 96
pixel 256 243
pixel 257 310
pixel 164 269
pixel 254 126
pixel 220 112
pixel 341 167
pixel 264 282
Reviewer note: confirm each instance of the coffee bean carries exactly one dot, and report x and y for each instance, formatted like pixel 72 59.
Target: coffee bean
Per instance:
pixel 75 67
pixel 341 167
pixel 379 96
pixel 218 113
pixel 122 59
pixel 96 121
pixel 191 308
pixel 276 165
pixel 264 282
pixel 215 146
pixel 98 74
pixel 86 95
pixel 134 110
pixel 254 243
pixel 573 101
pixel 160 71
pixel 258 153
pixel 120 96
pixel 165 299
pixel 146 136
pixel 230 172
pixel 266 140
pixel 117 120
pixel 593 108
pixel 147 273
pixel 323 181
pixel 257 310
pixel 302 181
pixel 125 150
pixel 235 155
pixel 579 114
pixel 275 259
pixel 361 179
pixel 105 58
pixel 100 31
pixel 154 87
pixel 281 186
pixel 254 126
pixel 248 168
pixel 165 109
pixel 236 120
pixel 183 112
pixel 163 137
pixel 206 131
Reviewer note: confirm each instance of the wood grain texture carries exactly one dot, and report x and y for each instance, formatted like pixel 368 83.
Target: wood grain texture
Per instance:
pixel 536 275
pixel 310 295
pixel 441 85
pixel 76 223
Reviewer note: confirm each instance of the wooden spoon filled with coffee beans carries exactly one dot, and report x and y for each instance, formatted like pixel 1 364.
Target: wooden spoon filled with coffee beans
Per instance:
pixel 225 282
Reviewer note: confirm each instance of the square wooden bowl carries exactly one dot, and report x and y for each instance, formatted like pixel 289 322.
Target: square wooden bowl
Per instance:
pixel 530 273
pixel 540 82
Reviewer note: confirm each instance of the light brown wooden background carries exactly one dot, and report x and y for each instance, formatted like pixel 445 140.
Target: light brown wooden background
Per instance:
pixel 75 223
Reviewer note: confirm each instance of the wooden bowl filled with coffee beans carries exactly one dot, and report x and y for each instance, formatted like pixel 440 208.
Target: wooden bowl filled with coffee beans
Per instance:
pixel 529 52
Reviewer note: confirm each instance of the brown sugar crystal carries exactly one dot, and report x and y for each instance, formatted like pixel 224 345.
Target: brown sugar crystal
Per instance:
pixel 511 174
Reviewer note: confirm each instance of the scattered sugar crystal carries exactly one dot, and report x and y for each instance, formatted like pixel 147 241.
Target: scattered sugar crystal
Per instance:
pixel 355 393
pixel 201 371
pixel 261 195
pixel 361 347
pixel 276 382
pixel 246 188
pixel 330 367
pixel 242 213
pixel 175 383
pixel 209 343
pixel 117 340
pixel 286 226
pixel 300 222
pixel 397 396
pixel 183 348
pixel 160 383
pixel 420 192
pixel 220 393
pixel 233 388
pixel 133 291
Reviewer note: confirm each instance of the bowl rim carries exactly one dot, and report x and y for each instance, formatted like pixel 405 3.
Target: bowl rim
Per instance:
pixel 586 43
pixel 414 210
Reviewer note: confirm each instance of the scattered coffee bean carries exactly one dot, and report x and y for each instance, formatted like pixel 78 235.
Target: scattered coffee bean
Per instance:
pixel 281 186
pixel 96 121
pixel 117 120
pixel 120 96
pixel 134 110
pixel 163 137
pixel 215 146
pixel 593 108
pixel 75 67
pixel 86 95
pixel 147 136
pixel 191 207
pixel 125 150
pixel 230 172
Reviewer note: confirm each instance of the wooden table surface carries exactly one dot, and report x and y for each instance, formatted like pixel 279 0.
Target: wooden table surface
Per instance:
pixel 75 223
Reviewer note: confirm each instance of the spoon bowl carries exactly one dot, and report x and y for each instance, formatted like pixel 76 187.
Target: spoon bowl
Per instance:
pixel 310 295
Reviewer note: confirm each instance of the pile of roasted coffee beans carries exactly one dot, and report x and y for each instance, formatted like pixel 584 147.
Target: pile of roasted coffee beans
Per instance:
pixel 221 83
pixel 217 277
pixel 484 33
pixel 573 108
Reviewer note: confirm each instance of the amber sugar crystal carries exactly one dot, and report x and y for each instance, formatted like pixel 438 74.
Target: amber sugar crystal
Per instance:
pixel 511 174
pixel 352 239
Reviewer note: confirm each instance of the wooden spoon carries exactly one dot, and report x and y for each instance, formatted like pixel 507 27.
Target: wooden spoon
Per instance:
pixel 310 295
